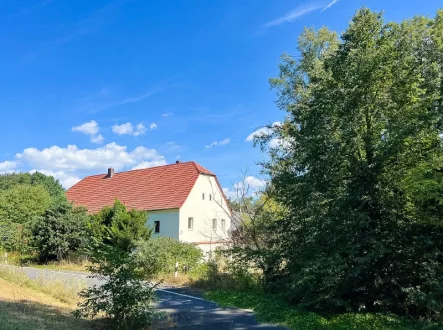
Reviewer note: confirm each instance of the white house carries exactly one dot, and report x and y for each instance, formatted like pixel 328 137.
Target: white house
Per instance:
pixel 183 200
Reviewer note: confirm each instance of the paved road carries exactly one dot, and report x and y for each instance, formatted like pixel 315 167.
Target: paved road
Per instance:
pixel 189 312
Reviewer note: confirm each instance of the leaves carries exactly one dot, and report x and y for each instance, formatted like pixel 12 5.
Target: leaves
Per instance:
pixel 360 172
pixel 61 229
pixel 125 297
pixel 115 226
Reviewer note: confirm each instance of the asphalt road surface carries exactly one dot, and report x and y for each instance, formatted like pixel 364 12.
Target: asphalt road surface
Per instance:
pixel 188 311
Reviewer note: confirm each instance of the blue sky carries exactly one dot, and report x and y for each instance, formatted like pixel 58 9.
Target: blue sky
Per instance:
pixel 129 83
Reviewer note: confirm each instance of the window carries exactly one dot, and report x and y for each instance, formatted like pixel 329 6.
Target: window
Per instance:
pixel 223 224
pixel 210 197
pixel 203 196
pixel 156 227
pixel 214 224
pixel 190 223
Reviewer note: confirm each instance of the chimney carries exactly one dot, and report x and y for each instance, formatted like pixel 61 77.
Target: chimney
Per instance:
pixel 177 162
pixel 110 172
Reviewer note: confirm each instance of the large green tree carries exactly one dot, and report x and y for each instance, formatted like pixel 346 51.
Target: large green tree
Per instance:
pixel 51 185
pixel 20 208
pixel 24 197
pixel 61 229
pixel 358 164
pixel 119 227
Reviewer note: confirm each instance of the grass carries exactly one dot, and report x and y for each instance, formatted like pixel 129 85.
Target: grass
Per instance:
pixel 74 263
pixel 46 304
pixel 274 309
pixel 65 291
pixel 23 308
pixel 64 265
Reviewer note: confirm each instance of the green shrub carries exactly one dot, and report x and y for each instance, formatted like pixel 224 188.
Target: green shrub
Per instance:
pixel 61 229
pixel 125 298
pixel 225 273
pixel 119 227
pixel 159 255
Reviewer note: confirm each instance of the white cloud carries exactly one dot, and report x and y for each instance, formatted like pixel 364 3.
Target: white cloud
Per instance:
pixel 249 186
pixel 292 15
pixel 97 139
pixel 147 164
pixel 7 166
pixel 129 129
pixel 250 182
pixel 97 160
pixel 230 194
pixel 218 143
pixel 123 129
pixel 167 114
pixel 140 130
pixel 263 132
pixel 65 179
pixel 279 143
pixel 333 2
pixel 89 128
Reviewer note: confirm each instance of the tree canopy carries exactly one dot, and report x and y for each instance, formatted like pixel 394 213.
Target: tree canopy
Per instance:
pixel 119 227
pixel 359 166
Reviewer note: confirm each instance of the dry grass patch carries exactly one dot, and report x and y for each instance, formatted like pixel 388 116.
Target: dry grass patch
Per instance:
pixel 64 290
pixel 27 309
pixel 65 265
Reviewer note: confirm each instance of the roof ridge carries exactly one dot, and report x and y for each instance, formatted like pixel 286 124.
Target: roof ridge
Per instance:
pixel 143 169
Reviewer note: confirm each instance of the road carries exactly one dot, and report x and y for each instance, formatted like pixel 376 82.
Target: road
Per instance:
pixel 188 311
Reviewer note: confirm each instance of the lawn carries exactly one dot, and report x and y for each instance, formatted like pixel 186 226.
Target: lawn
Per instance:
pixel 22 308
pixel 274 309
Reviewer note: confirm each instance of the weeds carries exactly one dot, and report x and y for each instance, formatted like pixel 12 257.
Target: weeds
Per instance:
pixel 274 309
pixel 64 290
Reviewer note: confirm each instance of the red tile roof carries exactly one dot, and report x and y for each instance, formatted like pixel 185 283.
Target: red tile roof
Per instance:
pixel 155 188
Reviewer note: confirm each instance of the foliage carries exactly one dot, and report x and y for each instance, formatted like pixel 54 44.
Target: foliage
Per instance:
pixel 358 167
pixel 274 309
pixel 23 203
pixel 257 238
pixel 116 226
pixel 125 297
pixel 61 229
pixel 51 185
pixel 24 197
pixel 159 255
pixel 228 274
pixel 20 207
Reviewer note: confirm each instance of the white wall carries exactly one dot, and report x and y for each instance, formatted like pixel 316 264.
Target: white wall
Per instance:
pixel 203 211
pixel 169 222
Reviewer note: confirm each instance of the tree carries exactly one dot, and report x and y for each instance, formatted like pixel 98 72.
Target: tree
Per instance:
pixel 358 166
pixel 51 185
pixel 23 203
pixel 125 298
pixel 20 207
pixel 116 226
pixel 61 229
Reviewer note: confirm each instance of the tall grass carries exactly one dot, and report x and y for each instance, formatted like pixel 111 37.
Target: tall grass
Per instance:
pixel 63 290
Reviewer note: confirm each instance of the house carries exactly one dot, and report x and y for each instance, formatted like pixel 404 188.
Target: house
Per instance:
pixel 184 200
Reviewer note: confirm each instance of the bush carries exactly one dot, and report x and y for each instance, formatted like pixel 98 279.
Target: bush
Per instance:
pixel 126 299
pixel 60 230
pixel 116 226
pixel 225 273
pixel 159 255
